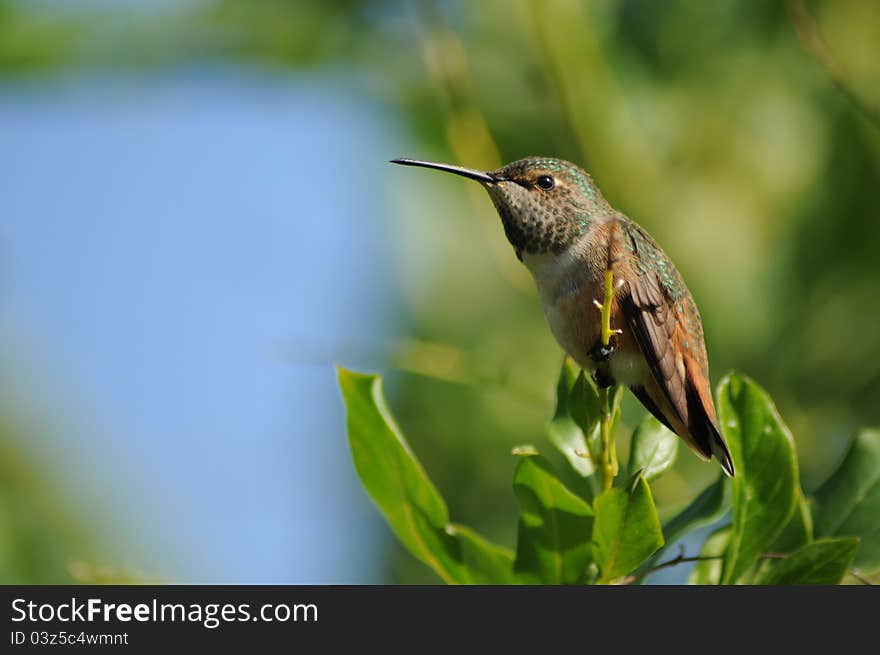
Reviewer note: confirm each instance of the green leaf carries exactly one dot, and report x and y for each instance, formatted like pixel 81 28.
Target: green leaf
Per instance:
pixel 798 531
pixel 563 431
pixel 709 506
pixel 766 486
pixel 399 486
pixel 555 527
pixel 614 401
pixel 585 410
pixel 654 448
pixel 823 562
pixel 848 503
pixel 708 571
pixel 706 508
pixel 485 562
pixel 627 530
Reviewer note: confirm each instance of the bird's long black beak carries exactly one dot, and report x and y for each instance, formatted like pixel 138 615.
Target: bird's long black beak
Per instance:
pixel 479 176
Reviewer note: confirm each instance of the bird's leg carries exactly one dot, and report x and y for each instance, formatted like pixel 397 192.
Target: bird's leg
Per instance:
pixel 600 353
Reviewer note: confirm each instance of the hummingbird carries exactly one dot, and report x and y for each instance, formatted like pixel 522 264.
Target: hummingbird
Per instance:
pixel 567 235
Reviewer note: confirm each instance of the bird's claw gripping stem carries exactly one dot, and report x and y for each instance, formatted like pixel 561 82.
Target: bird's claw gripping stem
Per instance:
pixel 600 353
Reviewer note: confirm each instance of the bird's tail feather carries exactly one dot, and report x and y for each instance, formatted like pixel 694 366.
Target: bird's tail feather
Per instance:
pixel 720 450
pixel 706 433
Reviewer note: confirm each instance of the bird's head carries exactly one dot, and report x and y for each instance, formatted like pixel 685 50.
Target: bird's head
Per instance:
pixel 544 203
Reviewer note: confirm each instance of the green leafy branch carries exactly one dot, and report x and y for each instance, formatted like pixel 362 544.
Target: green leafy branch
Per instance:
pixel 775 534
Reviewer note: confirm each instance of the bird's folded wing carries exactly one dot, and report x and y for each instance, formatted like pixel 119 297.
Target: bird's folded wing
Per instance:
pixel 648 315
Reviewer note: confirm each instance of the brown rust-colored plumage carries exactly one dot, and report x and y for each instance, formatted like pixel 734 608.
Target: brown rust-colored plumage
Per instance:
pixel 666 325
pixel 567 234
pixel 660 325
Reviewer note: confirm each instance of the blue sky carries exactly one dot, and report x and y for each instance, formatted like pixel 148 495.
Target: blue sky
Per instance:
pixel 165 240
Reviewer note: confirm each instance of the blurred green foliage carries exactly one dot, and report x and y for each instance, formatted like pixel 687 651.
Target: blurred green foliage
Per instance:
pixel 32 43
pixel 707 122
pixel 39 534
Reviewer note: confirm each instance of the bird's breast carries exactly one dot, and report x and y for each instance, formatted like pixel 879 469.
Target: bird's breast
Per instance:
pixel 568 288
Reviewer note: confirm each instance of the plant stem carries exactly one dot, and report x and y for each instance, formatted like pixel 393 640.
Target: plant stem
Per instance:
pixel 608 455
pixel 858 576
pixel 606 308
pixel 605 456
pixel 813 43
pixel 682 558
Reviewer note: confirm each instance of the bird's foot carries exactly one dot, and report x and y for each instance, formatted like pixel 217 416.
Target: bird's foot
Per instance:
pixel 600 353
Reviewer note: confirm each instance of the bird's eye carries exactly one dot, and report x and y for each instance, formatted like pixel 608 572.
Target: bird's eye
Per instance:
pixel 545 182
